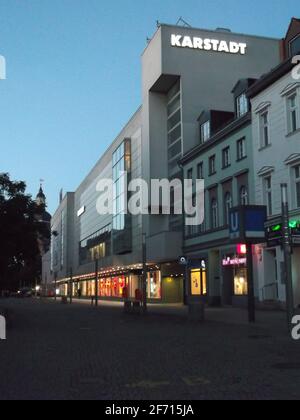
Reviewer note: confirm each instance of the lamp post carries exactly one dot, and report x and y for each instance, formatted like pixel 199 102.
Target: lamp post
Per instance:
pixel 96 280
pixel 71 286
pixel 251 290
pixel 144 274
pixel 287 249
pixel 55 285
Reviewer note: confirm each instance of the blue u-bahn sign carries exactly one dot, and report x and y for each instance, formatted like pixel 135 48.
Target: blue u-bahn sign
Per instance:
pixel 247 223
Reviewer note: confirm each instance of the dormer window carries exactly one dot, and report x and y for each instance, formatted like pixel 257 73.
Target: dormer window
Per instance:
pixel 205 131
pixel 295 46
pixel 242 105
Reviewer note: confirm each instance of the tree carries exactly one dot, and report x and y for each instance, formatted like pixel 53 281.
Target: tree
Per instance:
pixel 19 232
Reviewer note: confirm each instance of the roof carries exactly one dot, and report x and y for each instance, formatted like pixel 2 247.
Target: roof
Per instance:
pixel 268 79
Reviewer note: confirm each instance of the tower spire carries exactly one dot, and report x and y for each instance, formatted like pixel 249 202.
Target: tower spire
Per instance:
pixel 41 198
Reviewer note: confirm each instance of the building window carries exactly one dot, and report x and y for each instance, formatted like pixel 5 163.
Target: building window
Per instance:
pixel 198 282
pixel 297 185
pixel 205 132
pixel 295 46
pixel 226 158
pixel 190 174
pixel 293 116
pixel 242 105
pixel 241 149
pixel 212 165
pixel 268 194
pixel 214 214
pixel 244 198
pixel 200 174
pixel 174 127
pixel 264 130
pixel 154 285
pixel 240 282
pixel 227 206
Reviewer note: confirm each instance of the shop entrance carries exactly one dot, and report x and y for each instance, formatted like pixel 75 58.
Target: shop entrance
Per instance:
pixel 235 281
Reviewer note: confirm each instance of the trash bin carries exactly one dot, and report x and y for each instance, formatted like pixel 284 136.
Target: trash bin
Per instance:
pixel 127 306
pixel 197 311
pixel 64 300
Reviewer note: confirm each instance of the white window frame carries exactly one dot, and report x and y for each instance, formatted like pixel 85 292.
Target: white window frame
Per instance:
pixel 226 157
pixel 214 214
pixel 212 163
pixel 242 105
pixel 290 110
pixel 205 130
pixel 228 206
pixel 241 151
pixel 295 182
pixel 244 196
pixel 268 194
pixel 263 126
pixel 291 42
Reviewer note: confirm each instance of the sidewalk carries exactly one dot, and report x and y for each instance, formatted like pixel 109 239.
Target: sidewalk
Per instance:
pixel 273 320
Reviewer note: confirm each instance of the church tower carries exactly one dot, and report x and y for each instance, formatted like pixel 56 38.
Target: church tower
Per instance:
pixel 41 198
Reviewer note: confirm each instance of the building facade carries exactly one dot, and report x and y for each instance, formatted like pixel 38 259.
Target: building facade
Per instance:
pixel 185 71
pixel 275 102
pixel 224 160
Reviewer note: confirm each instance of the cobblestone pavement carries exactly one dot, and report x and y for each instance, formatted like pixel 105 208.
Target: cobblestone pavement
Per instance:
pixel 56 351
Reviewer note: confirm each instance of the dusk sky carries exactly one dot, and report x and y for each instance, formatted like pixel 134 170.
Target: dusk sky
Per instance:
pixel 73 75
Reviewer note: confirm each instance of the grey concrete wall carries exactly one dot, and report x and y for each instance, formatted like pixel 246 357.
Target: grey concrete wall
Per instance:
pixel 207 79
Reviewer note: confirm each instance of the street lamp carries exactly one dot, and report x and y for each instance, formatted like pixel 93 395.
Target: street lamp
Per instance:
pixel 287 248
pixel 96 279
pixel 144 274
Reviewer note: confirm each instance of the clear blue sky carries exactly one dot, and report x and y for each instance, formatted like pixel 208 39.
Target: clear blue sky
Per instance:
pixel 73 69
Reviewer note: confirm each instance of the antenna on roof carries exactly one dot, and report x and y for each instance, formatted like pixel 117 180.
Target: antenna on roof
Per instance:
pixel 182 22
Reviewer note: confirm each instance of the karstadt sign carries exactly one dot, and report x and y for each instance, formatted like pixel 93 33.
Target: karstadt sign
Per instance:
pixel 207 44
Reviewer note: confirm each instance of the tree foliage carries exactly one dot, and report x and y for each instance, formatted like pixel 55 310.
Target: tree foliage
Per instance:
pixel 19 230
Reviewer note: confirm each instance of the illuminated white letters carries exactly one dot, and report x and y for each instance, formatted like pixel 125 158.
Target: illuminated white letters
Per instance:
pixel 207 44
pixel 175 40
pixel 187 42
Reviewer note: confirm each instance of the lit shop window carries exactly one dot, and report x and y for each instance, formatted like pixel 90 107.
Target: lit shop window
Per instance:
pixel 199 282
pixel 240 282
pixel 154 285
pixel 98 252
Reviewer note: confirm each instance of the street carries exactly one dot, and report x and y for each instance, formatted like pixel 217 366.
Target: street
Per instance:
pixel 78 352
